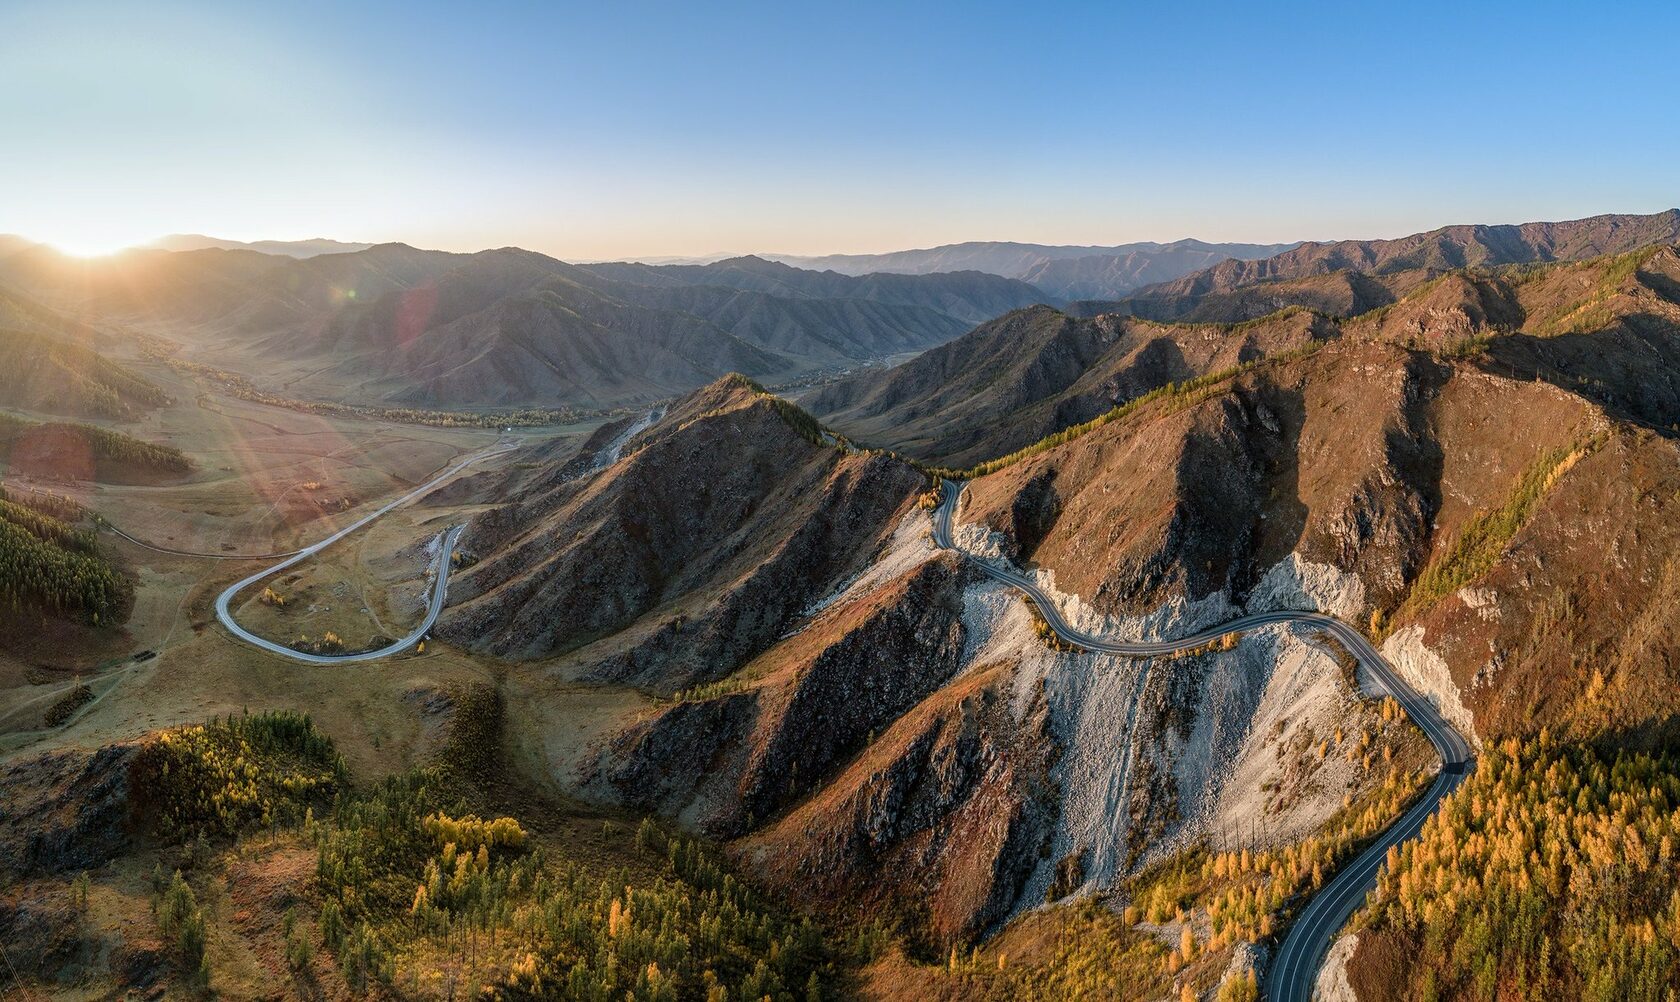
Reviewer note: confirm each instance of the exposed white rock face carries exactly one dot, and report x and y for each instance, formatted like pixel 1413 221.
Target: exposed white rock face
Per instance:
pixel 978 541
pixel 1104 710
pixel 611 452
pixel 1173 618
pixel 1304 691
pixel 910 545
pixel 1485 601
pixel 1294 583
pixel 1333 983
pixel 1428 673
pixel 1245 957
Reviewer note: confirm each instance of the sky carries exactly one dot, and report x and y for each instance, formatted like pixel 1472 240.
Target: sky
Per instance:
pixel 626 129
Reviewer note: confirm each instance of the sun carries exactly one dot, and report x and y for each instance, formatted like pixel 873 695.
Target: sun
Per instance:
pixel 91 241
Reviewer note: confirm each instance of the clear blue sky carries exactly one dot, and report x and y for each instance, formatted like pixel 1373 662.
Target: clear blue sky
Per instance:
pixel 618 128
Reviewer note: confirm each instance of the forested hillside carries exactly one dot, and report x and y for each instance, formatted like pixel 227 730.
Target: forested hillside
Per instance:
pixel 44 373
pixel 49 565
pixel 62 450
pixel 1551 873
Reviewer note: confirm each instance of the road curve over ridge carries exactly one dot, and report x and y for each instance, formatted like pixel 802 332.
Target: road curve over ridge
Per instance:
pixel 1294 971
pixel 440 565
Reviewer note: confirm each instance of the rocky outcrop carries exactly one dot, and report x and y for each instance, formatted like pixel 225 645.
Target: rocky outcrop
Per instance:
pixel 66 810
pixel 728 762
pixel 943 817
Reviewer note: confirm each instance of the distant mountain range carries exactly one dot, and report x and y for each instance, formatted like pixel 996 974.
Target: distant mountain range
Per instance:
pixel 1060 272
pixel 508 327
pixel 288 248
pixel 1444 249
pixel 512 328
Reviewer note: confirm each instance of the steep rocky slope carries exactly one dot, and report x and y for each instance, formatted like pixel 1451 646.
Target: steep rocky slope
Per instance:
pixel 913 750
pixel 912 747
pixel 1480 519
pixel 1592 327
pixel 509 328
pixel 688 555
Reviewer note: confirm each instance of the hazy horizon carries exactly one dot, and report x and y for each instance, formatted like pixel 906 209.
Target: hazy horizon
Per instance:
pixel 601 134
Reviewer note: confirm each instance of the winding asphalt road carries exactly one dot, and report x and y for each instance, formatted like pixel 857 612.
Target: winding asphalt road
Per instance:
pixel 440 566
pixel 1294 971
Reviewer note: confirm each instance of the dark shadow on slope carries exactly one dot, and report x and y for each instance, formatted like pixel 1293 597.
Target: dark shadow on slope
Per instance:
pixel 1631 369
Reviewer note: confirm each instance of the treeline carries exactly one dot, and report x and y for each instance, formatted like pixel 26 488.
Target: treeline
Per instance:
pixel 1551 873
pixel 102 443
pixel 63 376
pixel 65 509
pixel 47 528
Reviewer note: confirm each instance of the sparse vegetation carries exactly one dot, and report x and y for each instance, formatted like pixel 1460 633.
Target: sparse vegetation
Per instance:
pixel 59 506
pixel 1477 547
pixel 712 690
pixel 62 376
pixel 182 924
pixel 1041 629
pixel 801 421
pixel 327 643
pixel 1178 396
pixel 100 443
pixel 1592 311
pixel 1080 950
pixel 414 894
pixel 1247 895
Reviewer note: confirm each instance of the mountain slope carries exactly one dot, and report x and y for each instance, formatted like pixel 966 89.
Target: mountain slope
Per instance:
pixel 40 372
pixel 1031 373
pixel 1594 327
pixel 969 296
pixel 507 327
pixel 675 564
pixel 1408 472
